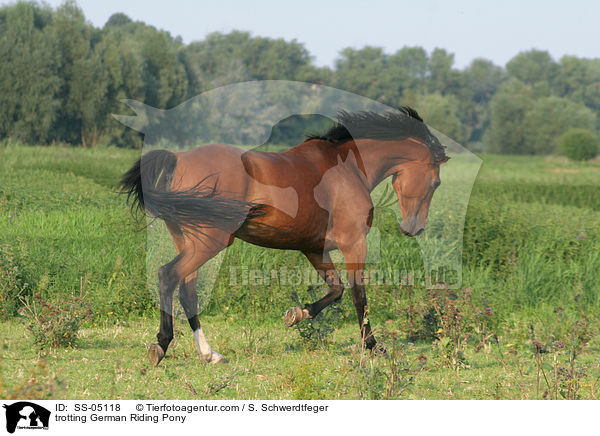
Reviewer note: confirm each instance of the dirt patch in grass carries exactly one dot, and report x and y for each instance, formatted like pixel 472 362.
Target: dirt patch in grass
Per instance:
pixel 565 170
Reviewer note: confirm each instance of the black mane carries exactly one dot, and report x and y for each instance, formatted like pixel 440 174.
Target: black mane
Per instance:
pixel 399 124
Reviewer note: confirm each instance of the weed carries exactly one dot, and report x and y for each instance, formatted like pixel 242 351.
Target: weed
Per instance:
pixel 511 361
pixel 450 319
pixel 556 356
pixel 306 380
pixel 12 284
pixel 55 323
pixel 386 377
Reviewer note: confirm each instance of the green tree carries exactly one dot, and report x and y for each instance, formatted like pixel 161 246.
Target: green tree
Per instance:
pixel 483 79
pixel 507 110
pixel 442 78
pixel 532 67
pixel 549 118
pixel 413 63
pixel 117 20
pixel 83 77
pixel 164 74
pixel 122 59
pixel 445 80
pixel 440 112
pixel 222 59
pixel 578 79
pixel 361 71
pixel 29 82
pixel 579 144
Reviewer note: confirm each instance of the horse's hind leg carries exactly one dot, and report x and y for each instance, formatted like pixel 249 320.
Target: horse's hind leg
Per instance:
pixel 167 284
pixel 188 296
pixel 324 266
pixel 194 252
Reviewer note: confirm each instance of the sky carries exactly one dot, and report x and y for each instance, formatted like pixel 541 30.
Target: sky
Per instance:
pixel 470 29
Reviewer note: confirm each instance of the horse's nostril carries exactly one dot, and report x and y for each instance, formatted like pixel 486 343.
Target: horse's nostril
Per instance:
pixel 420 231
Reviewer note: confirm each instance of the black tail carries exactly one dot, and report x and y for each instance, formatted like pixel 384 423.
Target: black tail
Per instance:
pixel 148 185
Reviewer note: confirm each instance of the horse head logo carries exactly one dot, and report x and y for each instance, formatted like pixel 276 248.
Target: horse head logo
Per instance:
pixel 25 414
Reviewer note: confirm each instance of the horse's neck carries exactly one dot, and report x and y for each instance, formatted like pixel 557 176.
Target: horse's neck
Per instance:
pixel 377 159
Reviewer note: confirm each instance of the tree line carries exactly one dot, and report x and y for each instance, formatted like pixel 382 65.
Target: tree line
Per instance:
pixel 61 78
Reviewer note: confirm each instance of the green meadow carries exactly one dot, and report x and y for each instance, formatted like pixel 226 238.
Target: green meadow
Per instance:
pixel 523 324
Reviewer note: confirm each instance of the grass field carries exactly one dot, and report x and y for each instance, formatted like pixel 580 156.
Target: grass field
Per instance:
pixel 524 324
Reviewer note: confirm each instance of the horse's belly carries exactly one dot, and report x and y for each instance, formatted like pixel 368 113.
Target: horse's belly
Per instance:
pixel 277 230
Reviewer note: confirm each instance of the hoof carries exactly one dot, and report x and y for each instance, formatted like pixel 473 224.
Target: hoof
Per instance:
pixel 294 315
pixel 216 358
pixel 155 354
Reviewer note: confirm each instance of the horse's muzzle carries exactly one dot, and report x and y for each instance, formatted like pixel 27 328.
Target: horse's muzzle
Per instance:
pixel 409 229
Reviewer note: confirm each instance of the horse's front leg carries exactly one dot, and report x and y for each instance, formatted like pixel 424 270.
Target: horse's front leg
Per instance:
pixel 324 266
pixel 355 255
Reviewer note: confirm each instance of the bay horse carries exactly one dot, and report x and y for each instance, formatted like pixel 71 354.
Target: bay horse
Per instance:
pixel 314 197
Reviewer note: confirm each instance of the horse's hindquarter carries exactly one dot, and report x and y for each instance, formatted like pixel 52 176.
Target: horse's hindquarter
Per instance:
pixel 214 165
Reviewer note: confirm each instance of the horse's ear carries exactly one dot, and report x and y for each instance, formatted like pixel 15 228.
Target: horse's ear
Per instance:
pixel 146 115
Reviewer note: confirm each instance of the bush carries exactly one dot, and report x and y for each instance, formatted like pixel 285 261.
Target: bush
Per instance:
pixel 451 319
pixel 579 144
pixel 55 323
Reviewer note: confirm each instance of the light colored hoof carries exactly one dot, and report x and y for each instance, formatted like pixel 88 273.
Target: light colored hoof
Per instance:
pixel 155 354
pixel 294 315
pixel 216 358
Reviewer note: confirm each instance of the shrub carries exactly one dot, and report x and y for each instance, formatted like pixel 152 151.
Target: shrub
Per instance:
pixel 578 144
pixel 450 319
pixel 55 323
